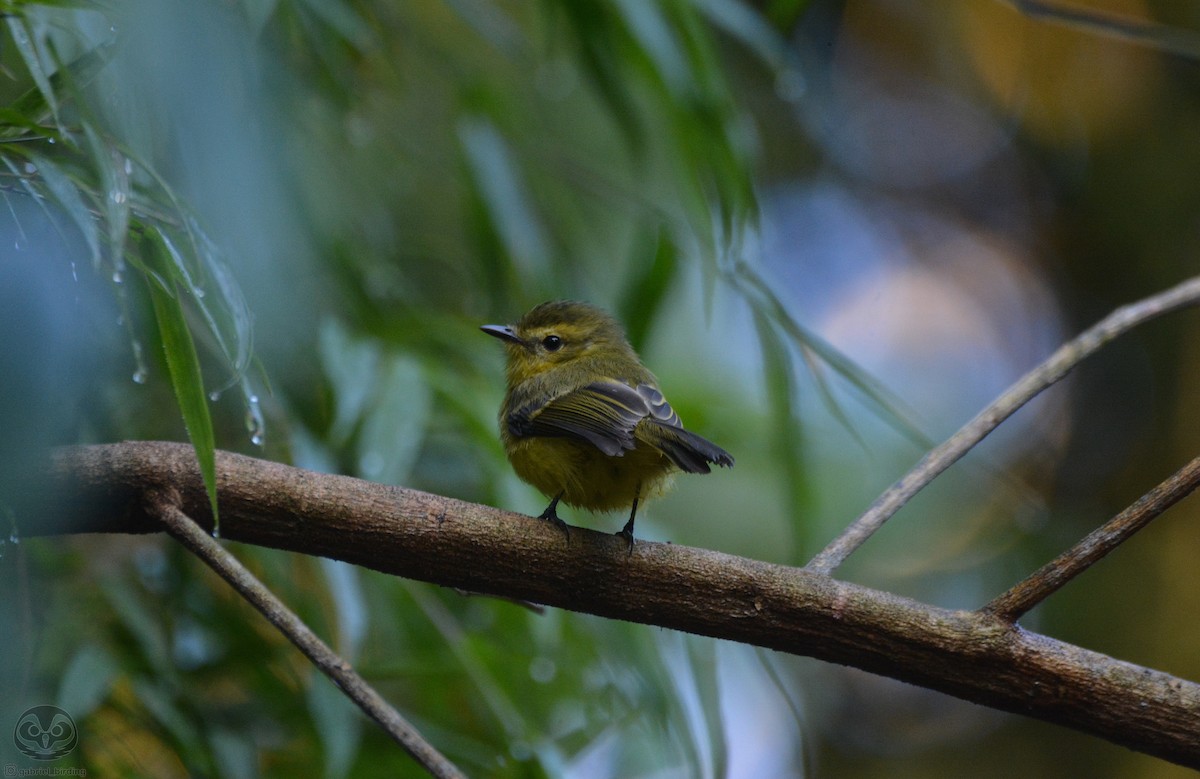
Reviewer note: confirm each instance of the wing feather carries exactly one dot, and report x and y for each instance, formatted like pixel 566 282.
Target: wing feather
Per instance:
pixel 614 417
pixel 603 413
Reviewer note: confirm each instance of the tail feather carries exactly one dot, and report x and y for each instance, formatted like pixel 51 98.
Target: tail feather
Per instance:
pixel 692 453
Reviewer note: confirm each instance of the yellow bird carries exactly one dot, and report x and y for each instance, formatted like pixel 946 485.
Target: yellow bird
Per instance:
pixel 583 420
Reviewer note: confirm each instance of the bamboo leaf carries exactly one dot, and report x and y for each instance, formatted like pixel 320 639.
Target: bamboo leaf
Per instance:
pixel 183 364
pixel 65 191
pixel 28 51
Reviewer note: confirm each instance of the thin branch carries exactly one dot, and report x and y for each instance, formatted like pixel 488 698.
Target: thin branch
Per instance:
pixel 972 655
pixel 1047 580
pixel 1161 37
pixel 1029 386
pixel 341 673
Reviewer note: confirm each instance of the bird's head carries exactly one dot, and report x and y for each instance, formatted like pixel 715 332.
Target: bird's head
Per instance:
pixel 560 333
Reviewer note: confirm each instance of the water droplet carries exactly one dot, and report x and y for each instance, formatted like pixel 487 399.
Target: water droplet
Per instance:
pixel 30 168
pixel 17 245
pixel 255 425
pixel 216 530
pixel 14 538
pixel 198 291
pixel 117 277
pixel 74 275
pixel 49 140
pixel 141 373
pixel 117 196
pixel 214 396
pixel 128 167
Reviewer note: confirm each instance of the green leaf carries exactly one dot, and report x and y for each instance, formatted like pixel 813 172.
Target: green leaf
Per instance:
pixel 149 635
pixel 353 616
pixel 352 365
pixel 86 681
pixel 233 752
pixel 746 24
pixel 226 313
pixel 645 292
pixel 67 194
pixel 28 51
pixel 337 723
pixel 781 391
pixel 117 195
pixel 883 402
pixel 344 21
pixel 187 736
pixel 510 208
pixel 183 364
pixel 395 427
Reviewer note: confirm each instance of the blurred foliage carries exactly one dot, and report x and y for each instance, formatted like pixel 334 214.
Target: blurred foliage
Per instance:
pixel 834 229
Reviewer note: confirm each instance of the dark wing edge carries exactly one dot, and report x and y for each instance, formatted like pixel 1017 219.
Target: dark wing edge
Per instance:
pixel 692 453
pixel 663 430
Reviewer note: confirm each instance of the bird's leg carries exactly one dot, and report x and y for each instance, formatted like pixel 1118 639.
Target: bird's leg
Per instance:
pixel 551 514
pixel 627 531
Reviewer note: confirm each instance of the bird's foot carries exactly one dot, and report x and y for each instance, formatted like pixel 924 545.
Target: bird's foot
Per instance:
pixel 551 515
pixel 628 536
pixel 627 533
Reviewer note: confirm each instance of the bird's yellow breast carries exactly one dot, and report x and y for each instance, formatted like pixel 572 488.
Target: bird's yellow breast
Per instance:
pixel 587 477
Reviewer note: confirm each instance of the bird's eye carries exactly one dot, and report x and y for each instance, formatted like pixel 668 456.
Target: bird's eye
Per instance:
pixel 552 343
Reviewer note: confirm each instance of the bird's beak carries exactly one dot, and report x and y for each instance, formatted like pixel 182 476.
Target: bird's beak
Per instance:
pixel 503 332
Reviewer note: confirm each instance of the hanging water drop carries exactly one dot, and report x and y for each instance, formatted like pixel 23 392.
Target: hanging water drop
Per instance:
pixel 214 396
pixel 117 277
pixel 14 538
pixel 255 425
pixel 216 530
pixel 139 360
pixel 74 275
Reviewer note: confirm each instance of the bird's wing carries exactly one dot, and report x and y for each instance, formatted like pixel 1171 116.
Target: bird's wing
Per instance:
pixel 603 413
pixel 607 414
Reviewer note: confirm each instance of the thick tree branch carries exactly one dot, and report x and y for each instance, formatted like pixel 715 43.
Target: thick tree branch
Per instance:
pixel 1048 579
pixel 338 670
pixel 972 655
pixel 941 457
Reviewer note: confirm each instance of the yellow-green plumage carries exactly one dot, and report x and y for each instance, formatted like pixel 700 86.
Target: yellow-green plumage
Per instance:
pixel 583 419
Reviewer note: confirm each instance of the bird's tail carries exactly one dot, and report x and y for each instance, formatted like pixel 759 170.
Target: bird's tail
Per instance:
pixel 692 453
